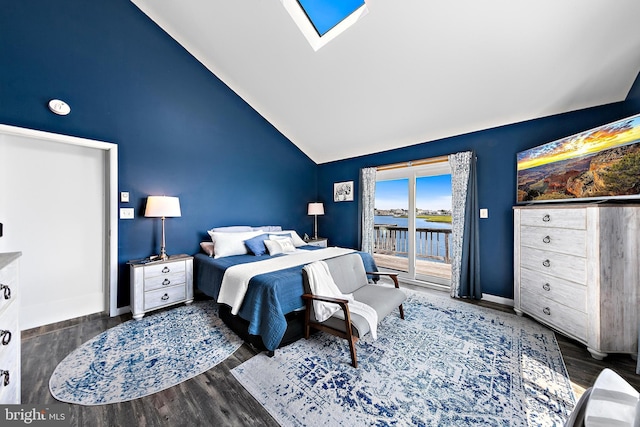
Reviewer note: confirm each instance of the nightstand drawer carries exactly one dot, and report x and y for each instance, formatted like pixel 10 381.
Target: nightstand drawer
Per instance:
pixel 164 269
pixel 164 281
pixel 162 297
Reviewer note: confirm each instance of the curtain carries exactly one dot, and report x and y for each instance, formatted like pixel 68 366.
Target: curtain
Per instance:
pixel 465 252
pixel 367 207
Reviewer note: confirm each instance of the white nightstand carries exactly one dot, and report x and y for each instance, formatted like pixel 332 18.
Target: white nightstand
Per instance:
pixel 160 284
pixel 320 241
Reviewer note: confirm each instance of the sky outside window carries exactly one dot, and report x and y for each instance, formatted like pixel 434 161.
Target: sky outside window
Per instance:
pixel 432 193
pixel 326 14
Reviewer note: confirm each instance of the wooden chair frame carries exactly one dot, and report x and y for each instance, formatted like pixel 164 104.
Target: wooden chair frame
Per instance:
pixel 344 306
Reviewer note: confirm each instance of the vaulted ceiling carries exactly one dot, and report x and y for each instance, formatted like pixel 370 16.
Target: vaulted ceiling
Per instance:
pixel 411 71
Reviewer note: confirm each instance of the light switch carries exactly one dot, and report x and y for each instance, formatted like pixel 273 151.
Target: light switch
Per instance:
pixel 124 196
pixel 484 213
pixel 126 213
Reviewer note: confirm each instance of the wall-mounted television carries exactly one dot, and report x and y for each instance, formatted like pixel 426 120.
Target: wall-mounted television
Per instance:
pixel 598 164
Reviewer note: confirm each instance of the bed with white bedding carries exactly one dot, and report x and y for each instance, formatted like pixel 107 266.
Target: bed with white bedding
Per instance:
pixel 257 274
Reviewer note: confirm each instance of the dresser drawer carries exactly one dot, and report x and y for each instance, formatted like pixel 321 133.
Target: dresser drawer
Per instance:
pixel 558 316
pixel 164 281
pixel 164 269
pixel 9 361
pixel 562 240
pixel 162 297
pixel 9 330
pixel 556 218
pixel 568 267
pixel 559 290
pixel 9 282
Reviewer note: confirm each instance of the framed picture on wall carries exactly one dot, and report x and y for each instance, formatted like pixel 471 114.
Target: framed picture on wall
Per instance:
pixel 343 191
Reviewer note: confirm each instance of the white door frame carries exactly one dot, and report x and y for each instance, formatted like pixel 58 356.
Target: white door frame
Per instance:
pixel 111 202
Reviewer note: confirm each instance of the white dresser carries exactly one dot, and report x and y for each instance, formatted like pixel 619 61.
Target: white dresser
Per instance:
pixel 160 284
pixel 9 329
pixel 576 270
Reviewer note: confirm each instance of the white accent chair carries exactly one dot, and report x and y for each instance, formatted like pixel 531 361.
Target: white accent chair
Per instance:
pixel 610 402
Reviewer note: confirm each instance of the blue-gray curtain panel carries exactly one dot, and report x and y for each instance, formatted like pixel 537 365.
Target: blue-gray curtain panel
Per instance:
pixel 465 265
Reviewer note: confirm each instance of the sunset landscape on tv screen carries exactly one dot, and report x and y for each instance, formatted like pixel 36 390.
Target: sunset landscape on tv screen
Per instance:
pixel 601 163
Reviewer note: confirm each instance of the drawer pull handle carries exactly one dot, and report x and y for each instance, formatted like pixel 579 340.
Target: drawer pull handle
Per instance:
pixel 6 337
pixel 165 297
pixel 546 218
pixel 546 287
pixel 546 263
pixel 546 239
pixel 5 374
pixel 166 269
pixel 7 291
pixel 547 311
pixel 166 282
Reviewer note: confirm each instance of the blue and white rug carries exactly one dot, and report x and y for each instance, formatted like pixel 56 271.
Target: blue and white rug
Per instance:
pixel 448 364
pixel 139 358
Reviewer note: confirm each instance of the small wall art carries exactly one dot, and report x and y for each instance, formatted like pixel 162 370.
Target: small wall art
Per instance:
pixel 343 191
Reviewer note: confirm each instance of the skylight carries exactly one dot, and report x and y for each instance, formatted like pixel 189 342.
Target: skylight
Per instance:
pixel 323 20
pixel 326 14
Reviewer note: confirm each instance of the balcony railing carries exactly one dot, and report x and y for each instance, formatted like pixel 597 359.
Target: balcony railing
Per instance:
pixel 431 243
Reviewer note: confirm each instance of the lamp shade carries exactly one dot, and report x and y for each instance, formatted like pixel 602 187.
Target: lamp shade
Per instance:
pixel 315 209
pixel 162 206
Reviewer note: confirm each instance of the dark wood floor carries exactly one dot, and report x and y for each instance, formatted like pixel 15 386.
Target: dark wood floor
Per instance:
pixel 214 398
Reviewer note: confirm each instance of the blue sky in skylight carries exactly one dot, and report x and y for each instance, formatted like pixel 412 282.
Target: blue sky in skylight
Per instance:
pixel 326 14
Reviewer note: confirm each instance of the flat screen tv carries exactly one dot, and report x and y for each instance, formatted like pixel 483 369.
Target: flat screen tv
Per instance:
pixel 598 164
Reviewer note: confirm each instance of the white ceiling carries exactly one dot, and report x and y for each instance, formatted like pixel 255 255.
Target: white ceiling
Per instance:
pixel 411 71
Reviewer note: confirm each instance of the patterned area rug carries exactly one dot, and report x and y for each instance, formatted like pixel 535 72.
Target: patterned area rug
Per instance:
pixel 448 364
pixel 138 358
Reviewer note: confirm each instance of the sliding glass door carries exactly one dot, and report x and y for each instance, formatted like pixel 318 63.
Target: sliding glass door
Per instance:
pixel 413 222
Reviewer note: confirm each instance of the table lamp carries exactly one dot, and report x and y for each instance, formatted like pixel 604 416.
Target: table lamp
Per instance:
pixel 162 207
pixel 315 209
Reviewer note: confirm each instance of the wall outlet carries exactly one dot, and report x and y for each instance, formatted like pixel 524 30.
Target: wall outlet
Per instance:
pixel 484 213
pixel 124 197
pixel 126 213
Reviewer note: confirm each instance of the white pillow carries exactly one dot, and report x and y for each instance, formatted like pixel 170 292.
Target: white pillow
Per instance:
pixel 279 246
pixel 268 228
pixel 297 241
pixel 233 229
pixel 227 244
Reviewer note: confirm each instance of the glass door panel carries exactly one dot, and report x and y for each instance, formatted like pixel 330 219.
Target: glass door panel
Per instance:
pixel 391 243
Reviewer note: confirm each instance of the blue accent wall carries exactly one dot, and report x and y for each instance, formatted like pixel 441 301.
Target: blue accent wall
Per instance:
pixel 634 93
pixel 180 131
pixel 496 152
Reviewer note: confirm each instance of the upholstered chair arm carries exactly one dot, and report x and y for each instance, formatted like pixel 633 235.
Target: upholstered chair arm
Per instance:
pixel 393 276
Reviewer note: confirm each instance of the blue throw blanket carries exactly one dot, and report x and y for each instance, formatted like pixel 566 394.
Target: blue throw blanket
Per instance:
pixel 269 297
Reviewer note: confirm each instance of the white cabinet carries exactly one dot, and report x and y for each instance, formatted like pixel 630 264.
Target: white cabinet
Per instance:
pixel 576 270
pixel 160 284
pixel 9 329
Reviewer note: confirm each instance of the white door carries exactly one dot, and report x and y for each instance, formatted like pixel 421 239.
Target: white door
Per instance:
pixel 52 205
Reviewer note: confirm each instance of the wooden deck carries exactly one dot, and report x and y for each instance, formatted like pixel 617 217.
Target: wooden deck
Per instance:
pixel 428 268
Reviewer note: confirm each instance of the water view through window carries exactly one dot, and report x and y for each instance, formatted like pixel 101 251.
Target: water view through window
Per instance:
pixel 425 254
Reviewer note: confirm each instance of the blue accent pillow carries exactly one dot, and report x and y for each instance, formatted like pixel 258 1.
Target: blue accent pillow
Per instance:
pixel 256 244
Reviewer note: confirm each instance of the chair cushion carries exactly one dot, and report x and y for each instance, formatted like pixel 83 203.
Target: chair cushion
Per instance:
pixel 383 299
pixel 348 272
